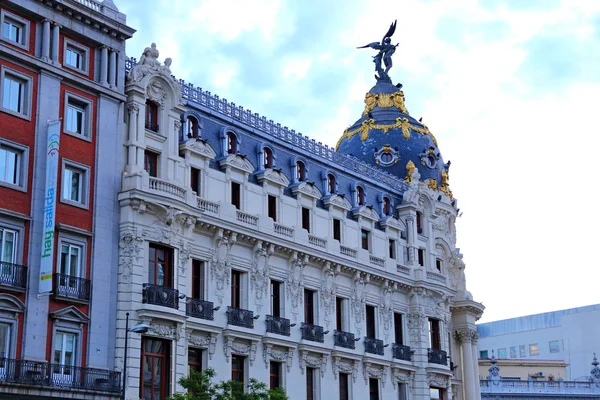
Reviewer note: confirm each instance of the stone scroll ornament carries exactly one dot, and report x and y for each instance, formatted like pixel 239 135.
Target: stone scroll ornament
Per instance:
pixel 386 308
pixel 221 262
pixel 295 282
pixel 130 246
pixel 386 50
pixel 259 275
pixel 328 276
pixel 358 300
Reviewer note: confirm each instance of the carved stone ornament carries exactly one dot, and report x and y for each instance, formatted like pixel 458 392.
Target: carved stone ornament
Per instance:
pixel 439 381
pixel 385 307
pixel 366 212
pixel 372 371
pixel 208 341
pixel 170 224
pixel 162 330
pixel 357 300
pixel 295 282
pixel 494 370
pixel 339 364
pixel 595 371
pixel 157 93
pixel 199 147
pixel 338 201
pixel 259 274
pixel 231 346
pixel 130 245
pixel 237 161
pixel 308 189
pixel 276 177
pixel 307 359
pixel 149 65
pixel 221 262
pixel 465 335
pixel 417 324
pixel 400 376
pixel 271 354
pixel 185 253
pixel 328 276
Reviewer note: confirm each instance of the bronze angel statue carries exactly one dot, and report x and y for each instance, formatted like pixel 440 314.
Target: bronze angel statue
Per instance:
pixel 386 50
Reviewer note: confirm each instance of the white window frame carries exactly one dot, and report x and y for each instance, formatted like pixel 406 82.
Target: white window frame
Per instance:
pixel 78 269
pixel 15 249
pixel 22 165
pixel 17 21
pixel 85 56
pixel 84 184
pixel 26 81
pixel 8 340
pixel 85 106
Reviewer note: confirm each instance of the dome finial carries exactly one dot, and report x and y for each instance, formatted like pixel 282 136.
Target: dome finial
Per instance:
pixel 386 50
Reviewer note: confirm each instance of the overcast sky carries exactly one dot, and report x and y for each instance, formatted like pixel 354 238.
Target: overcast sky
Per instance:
pixel 510 89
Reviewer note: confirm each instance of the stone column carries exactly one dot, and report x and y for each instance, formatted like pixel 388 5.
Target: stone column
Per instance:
pixel 46 40
pixel 464 338
pixel 112 68
pixel 474 339
pixel 55 42
pixel 103 65
pixel 132 134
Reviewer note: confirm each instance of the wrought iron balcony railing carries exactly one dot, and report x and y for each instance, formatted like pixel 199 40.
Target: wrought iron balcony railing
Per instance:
pixel 240 317
pixel 436 356
pixel 199 309
pixel 160 296
pixel 401 352
pixel 278 325
pixel 374 346
pixel 344 339
pixel 71 287
pixel 314 333
pixel 36 373
pixel 13 275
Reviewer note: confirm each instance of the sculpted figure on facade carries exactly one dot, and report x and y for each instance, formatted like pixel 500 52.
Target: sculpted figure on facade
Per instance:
pixel 328 292
pixel 221 262
pixel 130 246
pixel 185 253
pixel 259 274
pixel 386 308
pixel 149 63
pixel 358 300
pixel 295 282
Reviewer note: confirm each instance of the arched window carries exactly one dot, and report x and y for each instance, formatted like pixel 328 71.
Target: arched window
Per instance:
pixel 300 171
pixel 231 143
pixel 267 158
pixel 387 158
pixel 191 127
pixel 387 206
pixel 330 183
pixel 360 195
pixel 151 116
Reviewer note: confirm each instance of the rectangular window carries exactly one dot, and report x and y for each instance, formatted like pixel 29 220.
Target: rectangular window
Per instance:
pixel 70 260
pixel 11 165
pixel 419 222
pixel 64 352
pixel 370 319
pixel 534 350
pixel 194 360
pixel 373 389
pixel 436 394
pixel 198 280
pixel 421 255
pixel 237 368
pixel 77 116
pixel 14 92
pixel 76 57
pixel 5 335
pixel 522 351
pixel 434 334
pixel 160 265
pixel 15 29
pixel 513 352
pixel 402 391
pixel 236 289
pixel 337 229
pixel 483 354
pixel 392 249
pixel 155 369
pixel 398 329
pixel 236 195
pixel 276 296
pixel 272 206
pixel 73 184
pixel 306 219
pixel 311 375
pixel 344 387
pixel 151 116
pixel 151 163
pixel 274 375
pixel 8 246
pixel 195 180
pixel 438 264
pixel 309 306
pixel 502 353
pixel 364 239
pixel 340 313
pixel 554 346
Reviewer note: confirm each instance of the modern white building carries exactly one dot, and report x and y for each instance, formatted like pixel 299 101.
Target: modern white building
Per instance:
pixel 254 250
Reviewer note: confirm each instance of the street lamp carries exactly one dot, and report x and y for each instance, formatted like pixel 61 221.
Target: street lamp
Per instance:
pixel 139 328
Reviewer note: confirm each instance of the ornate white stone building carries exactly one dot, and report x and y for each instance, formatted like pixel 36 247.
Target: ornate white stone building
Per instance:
pixel 251 249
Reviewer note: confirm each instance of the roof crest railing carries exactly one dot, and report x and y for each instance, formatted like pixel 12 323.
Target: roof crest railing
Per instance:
pixel 214 102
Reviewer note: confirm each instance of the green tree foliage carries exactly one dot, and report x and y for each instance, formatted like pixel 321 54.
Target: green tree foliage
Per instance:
pixel 200 386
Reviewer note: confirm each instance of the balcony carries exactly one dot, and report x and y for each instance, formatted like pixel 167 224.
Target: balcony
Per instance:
pixel 529 389
pixel 401 352
pixel 13 276
pixel 277 325
pixel 199 309
pixel 436 356
pixel 374 346
pixel 314 333
pixel 343 339
pixel 160 296
pixel 67 287
pixel 34 373
pixel 240 317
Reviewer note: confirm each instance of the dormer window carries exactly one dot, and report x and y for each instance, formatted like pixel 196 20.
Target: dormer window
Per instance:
pixel 330 183
pixel 300 171
pixel 191 127
pixel 231 143
pixel 387 206
pixel 267 158
pixel 360 196
pixel 151 116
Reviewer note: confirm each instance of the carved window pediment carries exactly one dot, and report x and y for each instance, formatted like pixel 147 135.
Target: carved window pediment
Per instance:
pixel 274 350
pixel 274 176
pixel 199 148
pixel 341 362
pixel 392 222
pixel 367 212
pixel 241 344
pixel 204 340
pixel 313 358
pixel 70 314
pixel 338 201
pixel 308 189
pixel 11 304
pixel 237 161
pixel 373 368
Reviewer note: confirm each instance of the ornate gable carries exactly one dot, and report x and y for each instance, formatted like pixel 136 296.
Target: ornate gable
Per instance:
pixel 198 147
pixel 338 201
pixel 307 188
pixel 274 176
pixel 367 212
pixel 70 314
pixel 237 161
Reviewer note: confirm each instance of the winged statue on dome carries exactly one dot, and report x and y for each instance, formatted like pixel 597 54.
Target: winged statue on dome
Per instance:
pixel 386 50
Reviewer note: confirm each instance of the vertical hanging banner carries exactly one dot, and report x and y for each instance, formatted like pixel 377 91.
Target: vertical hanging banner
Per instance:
pixel 47 260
